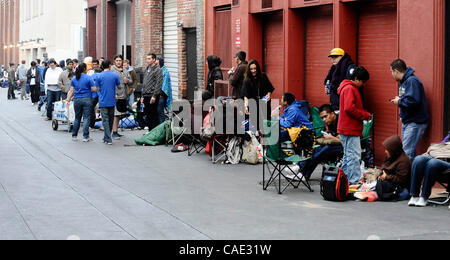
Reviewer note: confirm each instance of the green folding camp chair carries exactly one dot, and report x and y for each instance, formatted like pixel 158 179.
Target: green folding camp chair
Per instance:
pixel 317 122
pixel 275 161
pixel 367 141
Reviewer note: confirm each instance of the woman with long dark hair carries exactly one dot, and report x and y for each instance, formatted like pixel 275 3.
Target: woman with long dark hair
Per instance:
pixel 256 86
pixel 81 89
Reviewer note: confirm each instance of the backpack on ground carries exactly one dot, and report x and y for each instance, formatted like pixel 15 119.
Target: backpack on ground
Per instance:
pixel 334 185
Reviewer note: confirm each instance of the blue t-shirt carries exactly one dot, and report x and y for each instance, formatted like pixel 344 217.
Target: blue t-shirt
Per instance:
pixel 94 77
pixel 107 82
pixel 82 86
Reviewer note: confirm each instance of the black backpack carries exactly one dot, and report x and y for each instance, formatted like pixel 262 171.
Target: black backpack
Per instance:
pixel 334 185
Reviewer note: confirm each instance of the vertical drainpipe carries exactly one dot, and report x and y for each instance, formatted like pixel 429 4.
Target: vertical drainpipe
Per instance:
pixel 104 28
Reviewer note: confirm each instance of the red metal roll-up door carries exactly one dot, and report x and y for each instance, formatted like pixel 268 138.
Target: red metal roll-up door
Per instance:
pixel 377 48
pixel 223 39
pixel 274 51
pixel 319 42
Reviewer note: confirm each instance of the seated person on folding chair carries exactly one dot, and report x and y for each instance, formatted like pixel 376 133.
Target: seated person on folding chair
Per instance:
pixel 427 168
pixel 292 117
pixel 330 149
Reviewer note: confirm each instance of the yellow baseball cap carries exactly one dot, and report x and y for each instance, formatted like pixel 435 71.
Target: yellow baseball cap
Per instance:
pixel 337 52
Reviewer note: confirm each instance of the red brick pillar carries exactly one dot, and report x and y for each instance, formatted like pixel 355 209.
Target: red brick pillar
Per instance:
pixel 91 24
pixel 149 29
pixel 111 30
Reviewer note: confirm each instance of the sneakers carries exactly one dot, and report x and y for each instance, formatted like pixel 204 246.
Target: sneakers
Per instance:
pixel 290 175
pixel 413 201
pixel 180 148
pixel 115 136
pixel 87 140
pixel 418 202
pixel 295 168
pixel 422 202
pixel 74 138
pixel 294 177
pixel 108 143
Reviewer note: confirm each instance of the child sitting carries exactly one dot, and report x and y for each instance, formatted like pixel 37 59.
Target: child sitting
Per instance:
pixel 396 170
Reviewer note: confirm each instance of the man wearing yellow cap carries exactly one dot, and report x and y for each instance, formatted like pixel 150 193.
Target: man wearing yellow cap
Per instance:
pixel 342 68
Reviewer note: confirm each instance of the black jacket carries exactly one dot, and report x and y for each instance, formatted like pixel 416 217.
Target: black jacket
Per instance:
pixel 37 77
pixel 253 89
pixel 336 75
pixel 215 73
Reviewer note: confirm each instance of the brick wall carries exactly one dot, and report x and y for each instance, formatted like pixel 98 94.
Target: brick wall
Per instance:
pixel 111 30
pixel 94 29
pixel 149 29
pixel 92 26
pixel 191 13
pixel 9 31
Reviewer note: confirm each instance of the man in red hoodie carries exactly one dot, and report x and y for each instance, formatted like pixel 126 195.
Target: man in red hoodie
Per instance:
pixel 350 125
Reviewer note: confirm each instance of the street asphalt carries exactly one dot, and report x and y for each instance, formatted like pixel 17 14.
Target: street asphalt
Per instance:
pixel 54 188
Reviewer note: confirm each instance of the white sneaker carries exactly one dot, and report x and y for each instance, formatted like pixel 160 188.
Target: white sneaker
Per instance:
pixel 422 202
pixel 86 140
pixel 295 168
pixel 413 201
pixel 290 175
pixel 74 138
pixel 294 177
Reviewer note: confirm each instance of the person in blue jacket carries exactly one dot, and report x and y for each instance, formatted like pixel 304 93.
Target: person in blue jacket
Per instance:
pixel 412 101
pixel 293 116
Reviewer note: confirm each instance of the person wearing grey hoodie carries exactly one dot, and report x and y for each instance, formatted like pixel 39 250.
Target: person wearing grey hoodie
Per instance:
pixel 121 93
pixel 22 76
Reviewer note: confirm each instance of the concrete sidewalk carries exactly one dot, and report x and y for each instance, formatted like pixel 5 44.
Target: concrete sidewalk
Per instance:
pixel 54 188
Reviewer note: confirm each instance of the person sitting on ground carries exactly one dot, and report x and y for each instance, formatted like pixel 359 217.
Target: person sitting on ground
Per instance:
pixel 396 170
pixel 426 168
pixel 331 148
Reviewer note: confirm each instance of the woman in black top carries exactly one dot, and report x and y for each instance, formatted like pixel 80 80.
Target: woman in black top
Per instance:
pixel 215 73
pixel 256 84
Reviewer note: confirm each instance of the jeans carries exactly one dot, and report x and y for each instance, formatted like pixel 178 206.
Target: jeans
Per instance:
pixel 352 156
pixel 11 94
pixel 323 154
pixel 52 96
pixel 131 100
pixel 108 121
pixel 93 112
pixel 23 89
pixel 42 100
pixel 411 134
pixel 161 109
pixel 151 112
pixel 427 169
pixel 82 108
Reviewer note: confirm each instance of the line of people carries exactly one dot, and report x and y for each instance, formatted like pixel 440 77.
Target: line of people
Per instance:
pixel 113 88
pixel 344 117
